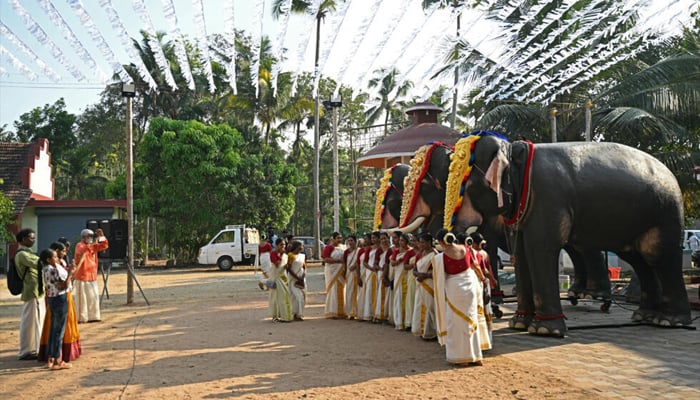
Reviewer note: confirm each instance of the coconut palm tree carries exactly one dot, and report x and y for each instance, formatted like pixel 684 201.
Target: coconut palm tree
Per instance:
pixel 299 7
pixel 390 95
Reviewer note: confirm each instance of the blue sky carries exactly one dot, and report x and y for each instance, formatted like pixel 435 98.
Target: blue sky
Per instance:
pixel 365 36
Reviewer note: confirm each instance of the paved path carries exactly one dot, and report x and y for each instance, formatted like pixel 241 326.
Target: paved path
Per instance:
pixel 628 362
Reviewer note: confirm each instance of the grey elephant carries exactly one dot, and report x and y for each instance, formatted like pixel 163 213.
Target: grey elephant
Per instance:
pixel 587 198
pixel 389 197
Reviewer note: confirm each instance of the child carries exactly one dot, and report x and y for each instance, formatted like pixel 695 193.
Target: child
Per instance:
pixel 55 282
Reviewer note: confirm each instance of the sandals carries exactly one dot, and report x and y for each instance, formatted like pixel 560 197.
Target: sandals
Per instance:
pixel 61 365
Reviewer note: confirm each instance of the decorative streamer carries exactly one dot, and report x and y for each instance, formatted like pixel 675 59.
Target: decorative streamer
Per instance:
pixel 75 43
pixel 44 39
pixel 19 66
pixel 203 42
pixel 4 73
pixel 390 27
pixel 99 40
pixel 359 39
pixel 6 32
pixel 179 46
pixel 153 42
pixel 285 9
pixel 255 45
pixel 125 39
pixel 334 28
pixel 230 36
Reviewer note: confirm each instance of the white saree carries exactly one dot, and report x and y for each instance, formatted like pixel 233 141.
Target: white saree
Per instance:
pixel 279 305
pixel 400 291
pixel 382 309
pixel 297 295
pixel 351 284
pixel 370 288
pixel 456 306
pixel 423 323
pixel 335 286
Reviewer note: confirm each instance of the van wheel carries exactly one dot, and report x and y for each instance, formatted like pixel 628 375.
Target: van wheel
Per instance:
pixel 225 263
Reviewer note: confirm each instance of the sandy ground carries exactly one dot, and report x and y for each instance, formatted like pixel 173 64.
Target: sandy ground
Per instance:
pixel 206 335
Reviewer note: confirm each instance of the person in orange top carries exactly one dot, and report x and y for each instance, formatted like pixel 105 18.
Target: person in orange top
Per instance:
pixel 87 302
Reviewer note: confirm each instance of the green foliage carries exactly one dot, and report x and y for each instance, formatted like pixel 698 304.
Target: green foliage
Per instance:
pixel 7 218
pixel 198 178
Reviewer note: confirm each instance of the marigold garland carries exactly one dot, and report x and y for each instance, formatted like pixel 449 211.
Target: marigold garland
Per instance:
pixel 411 184
pixel 382 191
pixel 461 163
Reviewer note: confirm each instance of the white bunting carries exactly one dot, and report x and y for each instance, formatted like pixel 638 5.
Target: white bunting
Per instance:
pixel 230 36
pixel 99 40
pixel 75 43
pixel 44 39
pixel 255 44
pixel 124 37
pixel 179 46
pixel 17 64
pixel 6 32
pixel 202 42
pixel 153 42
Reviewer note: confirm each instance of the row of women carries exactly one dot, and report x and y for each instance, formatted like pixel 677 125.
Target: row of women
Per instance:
pixel 414 287
pixel 284 275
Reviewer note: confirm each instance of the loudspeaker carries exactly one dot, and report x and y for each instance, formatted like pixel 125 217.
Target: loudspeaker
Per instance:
pixel 116 232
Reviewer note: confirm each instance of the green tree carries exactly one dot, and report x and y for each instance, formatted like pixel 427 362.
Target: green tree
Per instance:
pixel 7 218
pixel 199 178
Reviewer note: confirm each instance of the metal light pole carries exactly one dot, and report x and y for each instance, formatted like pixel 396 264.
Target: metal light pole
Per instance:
pixel 588 106
pixel 317 196
pixel 335 102
pixel 129 92
pixel 553 122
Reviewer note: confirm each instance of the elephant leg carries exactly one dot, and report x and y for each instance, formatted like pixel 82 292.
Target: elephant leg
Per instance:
pixel 542 255
pixel 674 308
pixel 580 273
pixel 523 283
pixel 650 297
pixel 598 279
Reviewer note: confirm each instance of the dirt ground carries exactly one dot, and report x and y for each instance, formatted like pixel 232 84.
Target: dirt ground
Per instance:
pixel 206 335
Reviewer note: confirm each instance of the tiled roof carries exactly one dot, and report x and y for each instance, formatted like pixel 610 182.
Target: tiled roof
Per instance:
pixel 13 158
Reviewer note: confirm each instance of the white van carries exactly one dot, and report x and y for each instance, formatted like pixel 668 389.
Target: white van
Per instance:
pixel 687 234
pixel 232 245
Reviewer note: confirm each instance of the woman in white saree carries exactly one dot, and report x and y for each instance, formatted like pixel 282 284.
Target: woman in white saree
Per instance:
pixel 457 292
pixel 370 281
pixel 382 309
pixel 424 324
pixel 399 264
pixel 296 272
pixel 335 277
pixel 280 307
pixel 352 276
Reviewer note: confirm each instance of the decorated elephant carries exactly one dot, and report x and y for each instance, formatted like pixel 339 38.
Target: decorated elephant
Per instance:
pixel 389 197
pixel 424 204
pixel 586 198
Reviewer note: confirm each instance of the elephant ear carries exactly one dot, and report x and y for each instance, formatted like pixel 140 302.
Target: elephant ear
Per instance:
pixel 495 172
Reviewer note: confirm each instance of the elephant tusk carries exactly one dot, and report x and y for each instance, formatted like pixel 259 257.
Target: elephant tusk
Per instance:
pixel 413 226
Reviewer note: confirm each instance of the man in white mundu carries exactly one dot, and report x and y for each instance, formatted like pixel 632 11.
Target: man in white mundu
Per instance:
pixel 457 292
pixel 352 275
pixel 424 324
pixel 335 277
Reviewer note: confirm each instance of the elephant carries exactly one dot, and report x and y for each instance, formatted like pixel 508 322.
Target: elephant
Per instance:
pixel 586 198
pixel 428 195
pixel 389 197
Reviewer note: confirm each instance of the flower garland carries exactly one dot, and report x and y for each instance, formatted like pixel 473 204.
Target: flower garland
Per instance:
pixel 380 204
pixel 420 163
pixel 461 163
